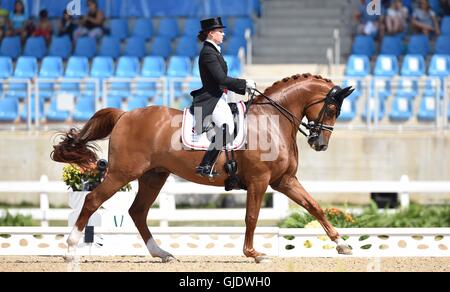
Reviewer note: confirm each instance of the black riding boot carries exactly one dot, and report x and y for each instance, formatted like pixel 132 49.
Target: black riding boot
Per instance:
pixel 205 168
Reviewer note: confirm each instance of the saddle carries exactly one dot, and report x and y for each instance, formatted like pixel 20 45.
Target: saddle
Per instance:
pixel 196 141
pixel 201 141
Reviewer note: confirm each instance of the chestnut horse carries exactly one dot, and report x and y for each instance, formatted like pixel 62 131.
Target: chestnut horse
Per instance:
pixel 141 147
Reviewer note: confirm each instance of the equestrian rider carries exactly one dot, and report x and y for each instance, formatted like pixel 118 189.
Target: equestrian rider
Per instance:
pixel 210 101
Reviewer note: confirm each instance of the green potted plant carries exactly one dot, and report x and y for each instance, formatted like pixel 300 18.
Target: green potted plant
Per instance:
pixel 82 182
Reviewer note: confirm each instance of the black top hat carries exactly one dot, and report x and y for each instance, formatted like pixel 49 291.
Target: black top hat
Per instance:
pixel 211 23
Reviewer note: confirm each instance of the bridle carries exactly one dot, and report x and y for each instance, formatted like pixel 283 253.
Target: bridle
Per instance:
pixel 314 127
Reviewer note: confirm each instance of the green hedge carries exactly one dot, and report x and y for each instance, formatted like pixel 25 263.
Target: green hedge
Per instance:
pixel 19 220
pixel 414 216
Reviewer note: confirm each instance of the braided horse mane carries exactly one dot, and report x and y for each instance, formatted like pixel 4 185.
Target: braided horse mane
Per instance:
pixel 292 80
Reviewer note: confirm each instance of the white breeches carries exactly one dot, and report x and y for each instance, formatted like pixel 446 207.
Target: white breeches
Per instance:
pixel 222 115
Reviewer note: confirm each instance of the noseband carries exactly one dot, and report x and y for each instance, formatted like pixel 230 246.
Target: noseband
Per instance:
pixel 314 127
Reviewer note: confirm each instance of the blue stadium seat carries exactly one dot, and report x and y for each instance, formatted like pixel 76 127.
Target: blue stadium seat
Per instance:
pixel 77 67
pixel 187 46
pixel 439 66
pixel 102 67
pixel 153 67
pixel 408 87
pixel 6 67
pixel 435 5
pixel 61 47
pixel 11 47
pixel 445 26
pixel 127 67
pixel 358 66
pixel 431 86
pixel 195 68
pixel 51 68
pixel 194 84
pixel 234 66
pixel 24 114
pixel 233 45
pixel 168 27
pixel 182 102
pixel 413 66
pixel 114 102
pixel 348 110
pixel 84 109
pixel 419 45
pixel 369 110
pixel 401 109
pixel 55 115
pixel 9 109
pixel 392 45
pixel 356 84
pixel 35 47
pixel 386 66
pixel 136 102
pixel 135 47
pixel 143 28
pixel 110 47
pixel 443 45
pixel 86 47
pixel 26 68
pixel 241 24
pixel 383 86
pixel 161 46
pixel 363 45
pixel 178 67
pixel 119 28
pixel 191 27
pixel 427 109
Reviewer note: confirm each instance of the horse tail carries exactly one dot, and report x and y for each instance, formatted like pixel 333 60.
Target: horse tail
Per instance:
pixel 74 147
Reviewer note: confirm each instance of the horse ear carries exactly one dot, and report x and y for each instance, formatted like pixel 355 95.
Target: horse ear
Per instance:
pixel 343 93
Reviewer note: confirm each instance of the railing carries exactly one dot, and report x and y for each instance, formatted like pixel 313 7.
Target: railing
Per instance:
pixel 168 212
pixel 165 87
pixel 226 241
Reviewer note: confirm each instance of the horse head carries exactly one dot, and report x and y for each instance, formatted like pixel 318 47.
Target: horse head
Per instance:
pixel 322 115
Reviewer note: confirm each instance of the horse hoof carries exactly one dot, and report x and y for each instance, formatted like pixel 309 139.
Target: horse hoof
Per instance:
pixel 69 258
pixel 263 260
pixel 344 249
pixel 170 259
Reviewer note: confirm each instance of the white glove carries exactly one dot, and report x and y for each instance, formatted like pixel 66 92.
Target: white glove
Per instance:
pixel 250 86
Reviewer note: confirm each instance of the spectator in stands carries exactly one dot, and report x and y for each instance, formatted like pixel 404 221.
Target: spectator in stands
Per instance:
pixel 4 21
pixel 211 100
pixel 92 24
pixel 19 20
pixel 424 20
pixel 67 25
pixel 396 18
pixel 44 28
pixel 371 25
pixel 445 6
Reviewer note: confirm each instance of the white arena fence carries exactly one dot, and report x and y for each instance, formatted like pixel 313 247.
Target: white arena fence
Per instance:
pixel 224 241
pixel 115 234
pixel 115 210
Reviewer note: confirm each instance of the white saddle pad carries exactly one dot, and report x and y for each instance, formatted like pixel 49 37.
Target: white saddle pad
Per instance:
pixel 194 141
